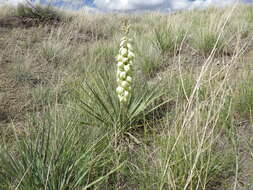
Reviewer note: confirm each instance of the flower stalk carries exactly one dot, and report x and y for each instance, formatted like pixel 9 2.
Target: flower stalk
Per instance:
pixel 124 66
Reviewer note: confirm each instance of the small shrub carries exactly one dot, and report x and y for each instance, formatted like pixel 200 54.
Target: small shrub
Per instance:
pixel 38 13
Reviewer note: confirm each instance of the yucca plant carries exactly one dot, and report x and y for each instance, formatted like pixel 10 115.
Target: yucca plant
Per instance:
pixel 123 108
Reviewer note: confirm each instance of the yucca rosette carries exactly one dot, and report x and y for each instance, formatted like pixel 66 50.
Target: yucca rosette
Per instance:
pixel 124 68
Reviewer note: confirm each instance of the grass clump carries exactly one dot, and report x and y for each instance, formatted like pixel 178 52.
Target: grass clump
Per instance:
pixel 245 102
pixel 167 40
pixel 57 154
pixel 211 42
pixel 151 65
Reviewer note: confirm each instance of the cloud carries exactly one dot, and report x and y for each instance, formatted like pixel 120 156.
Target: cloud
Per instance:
pixel 13 2
pixel 128 5
pixel 66 4
pixel 123 5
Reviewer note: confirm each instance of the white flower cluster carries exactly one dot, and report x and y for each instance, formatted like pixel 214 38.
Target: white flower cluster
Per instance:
pixel 124 69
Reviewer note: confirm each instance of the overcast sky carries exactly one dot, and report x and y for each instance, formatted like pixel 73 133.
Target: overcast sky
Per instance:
pixel 124 5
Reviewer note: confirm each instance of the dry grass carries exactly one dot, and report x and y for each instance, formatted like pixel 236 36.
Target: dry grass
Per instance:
pixel 202 140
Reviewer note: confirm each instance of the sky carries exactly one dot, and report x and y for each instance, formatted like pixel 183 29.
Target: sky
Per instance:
pixel 130 5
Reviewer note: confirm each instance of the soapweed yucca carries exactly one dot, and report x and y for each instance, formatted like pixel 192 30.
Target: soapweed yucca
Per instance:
pixel 122 108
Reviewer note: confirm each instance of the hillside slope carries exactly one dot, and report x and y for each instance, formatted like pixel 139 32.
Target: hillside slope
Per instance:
pixel 201 138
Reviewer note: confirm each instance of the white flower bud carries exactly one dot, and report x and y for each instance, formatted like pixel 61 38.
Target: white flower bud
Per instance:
pixel 125 59
pixel 130 55
pixel 120 65
pixel 120 98
pixel 123 51
pixel 119 90
pixel 126 94
pixel 129 46
pixel 119 57
pixel 124 38
pixel 129 79
pixel 118 73
pixel 127 68
pixel 131 63
pixel 122 75
pixel 123 43
pixel 125 85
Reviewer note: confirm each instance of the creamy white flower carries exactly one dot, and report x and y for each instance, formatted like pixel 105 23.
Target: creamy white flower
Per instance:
pixel 119 57
pixel 129 46
pixel 120 90
pixel 123 43
pixel 130 62
pixel 121 65
pixel 123 38
pixel 130 55
pixel 118 73
pixel 127 68
pixel 125 85
pixel 123 51
pixel 125 59
pixel 124 68
pixel 129 79
pixel 122 75
pixel 120 98
pixel 126 94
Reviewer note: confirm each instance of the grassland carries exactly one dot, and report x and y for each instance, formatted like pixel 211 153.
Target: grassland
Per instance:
pixel 61 126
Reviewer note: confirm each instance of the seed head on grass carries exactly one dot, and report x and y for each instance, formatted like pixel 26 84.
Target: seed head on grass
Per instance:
pixel 124 66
